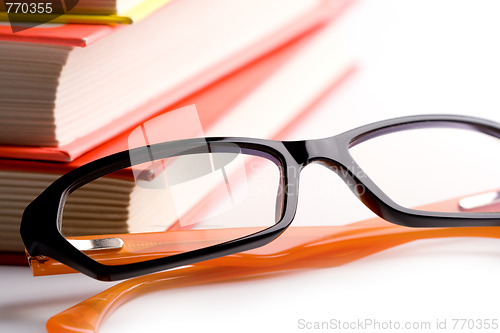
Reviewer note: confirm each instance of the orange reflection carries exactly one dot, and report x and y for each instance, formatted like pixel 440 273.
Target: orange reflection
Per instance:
pixel 298 247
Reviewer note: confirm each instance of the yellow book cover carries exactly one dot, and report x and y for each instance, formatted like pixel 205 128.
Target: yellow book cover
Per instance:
pixel 14 13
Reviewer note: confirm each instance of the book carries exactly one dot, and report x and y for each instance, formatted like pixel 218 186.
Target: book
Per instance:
pixel 277 101
pixel 83 11
pixel 66 86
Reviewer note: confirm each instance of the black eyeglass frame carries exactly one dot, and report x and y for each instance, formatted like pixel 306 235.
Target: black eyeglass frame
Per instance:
pixel 41 222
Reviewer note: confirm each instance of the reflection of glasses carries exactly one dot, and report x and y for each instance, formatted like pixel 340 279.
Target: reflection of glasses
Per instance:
pixel 298 248
pixel 172 204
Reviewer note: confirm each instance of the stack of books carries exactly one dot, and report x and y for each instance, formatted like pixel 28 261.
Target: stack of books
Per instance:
pixel 71 93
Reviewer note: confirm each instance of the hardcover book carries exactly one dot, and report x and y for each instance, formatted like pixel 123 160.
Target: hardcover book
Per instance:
pixel 69 88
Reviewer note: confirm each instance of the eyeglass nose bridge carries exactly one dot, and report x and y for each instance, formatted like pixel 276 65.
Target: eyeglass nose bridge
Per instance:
pixel 333 153
pixel 308 151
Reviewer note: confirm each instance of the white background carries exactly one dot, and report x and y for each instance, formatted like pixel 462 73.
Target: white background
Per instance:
pixel 413 57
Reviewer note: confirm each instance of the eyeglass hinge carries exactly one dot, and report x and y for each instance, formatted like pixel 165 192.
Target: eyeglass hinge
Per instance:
pixel 40 258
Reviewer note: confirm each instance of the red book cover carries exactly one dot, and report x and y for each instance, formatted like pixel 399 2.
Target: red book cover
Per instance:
pixel 77 35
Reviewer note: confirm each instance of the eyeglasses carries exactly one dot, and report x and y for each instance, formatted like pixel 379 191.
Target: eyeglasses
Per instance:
pixel 172 204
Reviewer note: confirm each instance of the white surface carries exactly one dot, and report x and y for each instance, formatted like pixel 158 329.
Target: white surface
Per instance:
pixel 414 57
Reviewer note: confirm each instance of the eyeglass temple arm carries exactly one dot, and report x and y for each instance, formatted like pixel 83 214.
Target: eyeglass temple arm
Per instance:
pixel 298 247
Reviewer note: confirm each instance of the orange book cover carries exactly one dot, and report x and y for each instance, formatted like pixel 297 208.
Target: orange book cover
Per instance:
pixel 81 35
